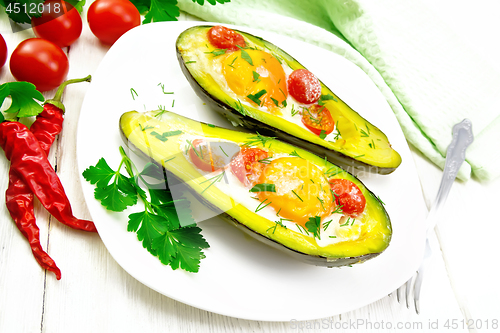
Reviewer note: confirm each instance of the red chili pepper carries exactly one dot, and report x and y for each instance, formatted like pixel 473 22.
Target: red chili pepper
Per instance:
pixel 30 163
pixel 19 197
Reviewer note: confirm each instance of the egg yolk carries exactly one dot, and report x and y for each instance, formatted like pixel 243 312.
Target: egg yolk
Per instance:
pixel 302 190
pixel 256 73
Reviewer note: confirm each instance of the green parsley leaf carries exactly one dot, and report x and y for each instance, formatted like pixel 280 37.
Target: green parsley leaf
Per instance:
pixel 153 170
pixel 166 227
pixel 148 227
pixel 118 195
pixel 263 187
pixel 256 98
pixel 24 96
pixel 78 4
pixel 322 135
pixel 217 52
pixel 160 10
pixel 275 101
pixel 255 76
pixel 245 56
pixel 314 226
pixel 164 136
pixel 212 2
pixel 186 243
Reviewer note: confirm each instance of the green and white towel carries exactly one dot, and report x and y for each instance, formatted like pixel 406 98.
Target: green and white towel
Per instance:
pixel 430 79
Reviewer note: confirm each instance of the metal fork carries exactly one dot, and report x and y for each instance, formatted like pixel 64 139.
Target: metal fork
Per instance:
pixel 455 156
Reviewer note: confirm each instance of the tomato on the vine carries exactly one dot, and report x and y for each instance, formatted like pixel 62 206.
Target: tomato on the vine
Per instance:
pixel 248 165
pixel 40 62
pixel 304 86
pixel 60 23
pixel 3 51
pixel 109 19
pixel 225 38
pixel 348 196
pixel 318 119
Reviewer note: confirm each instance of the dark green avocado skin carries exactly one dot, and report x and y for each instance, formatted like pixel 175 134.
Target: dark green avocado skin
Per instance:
pixel 238 119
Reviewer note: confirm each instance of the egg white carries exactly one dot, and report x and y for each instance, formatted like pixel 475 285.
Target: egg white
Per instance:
pixel 213 67
pixel 338 230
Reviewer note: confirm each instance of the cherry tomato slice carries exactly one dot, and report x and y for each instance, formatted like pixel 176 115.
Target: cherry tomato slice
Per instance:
pixel 208 156
pixel 225 38
pixel 349 196
pixel 246 166
pixel 318 119
pixel 60 23
pixel 304 86
pixel 40 62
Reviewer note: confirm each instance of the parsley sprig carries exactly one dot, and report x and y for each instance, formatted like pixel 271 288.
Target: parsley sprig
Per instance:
pixel 24 97
pixel 314 226
pixel 165 226
pixel 164 10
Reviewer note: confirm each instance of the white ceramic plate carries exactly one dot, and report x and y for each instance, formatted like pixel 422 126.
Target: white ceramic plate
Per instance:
pixel 241 277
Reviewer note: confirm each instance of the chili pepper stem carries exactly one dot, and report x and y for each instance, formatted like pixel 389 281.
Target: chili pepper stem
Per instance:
pixel 56 101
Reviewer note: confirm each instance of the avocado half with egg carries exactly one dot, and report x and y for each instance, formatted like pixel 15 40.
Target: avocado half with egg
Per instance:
pixel 249 86
pixel 304 222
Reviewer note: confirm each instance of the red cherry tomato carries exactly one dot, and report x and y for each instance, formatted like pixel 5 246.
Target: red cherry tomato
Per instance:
pixel 349 196
pixel 60 23
pixel 318 119
pixel 109 19
pixel 40 62
pixel 246 166
pixel 3 51
pixel 304 86
pixel 225 38
pixel 205 157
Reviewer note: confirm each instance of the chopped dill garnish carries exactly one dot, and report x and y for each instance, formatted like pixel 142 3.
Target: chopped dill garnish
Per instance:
pixel 256 140
pixel 332 172
pixel 261 206
pixel 217 52
pixel 321 202
pixel 266 160
pixel 216 179
pixel 132 91
pixel 223 151
pixel 326 225
pixel 297 196
pixel 190 145
pixel 338 210
pixel 294 153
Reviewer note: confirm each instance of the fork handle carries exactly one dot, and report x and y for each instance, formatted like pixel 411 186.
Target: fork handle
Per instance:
pixel 455 156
